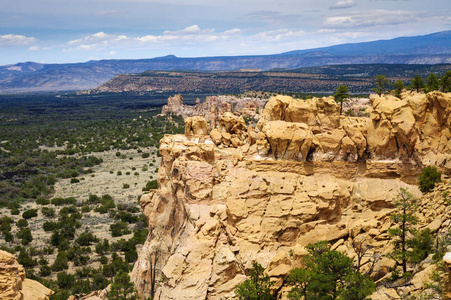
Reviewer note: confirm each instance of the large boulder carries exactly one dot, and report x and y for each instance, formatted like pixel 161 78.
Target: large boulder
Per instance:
pixel 14 285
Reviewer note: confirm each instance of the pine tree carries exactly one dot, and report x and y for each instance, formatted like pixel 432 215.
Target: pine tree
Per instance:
pixel 257 287
pixel 122 288
pixel 432 83
pixel 399 86
pixel 406 206
pixel 445 82
pixel 328 274
pixel 381 84
pixel 417 83
pixel 341 95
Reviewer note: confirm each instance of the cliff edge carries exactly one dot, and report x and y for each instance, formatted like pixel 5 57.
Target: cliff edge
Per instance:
pixel 232 195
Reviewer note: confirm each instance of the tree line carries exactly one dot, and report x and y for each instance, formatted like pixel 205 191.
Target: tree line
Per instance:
pixel 432 83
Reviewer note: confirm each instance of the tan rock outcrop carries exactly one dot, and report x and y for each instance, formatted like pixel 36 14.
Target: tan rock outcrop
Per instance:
pixel 214 107
pixel 411 133
pixel 304 175
pixel 196 126
pixel 14 285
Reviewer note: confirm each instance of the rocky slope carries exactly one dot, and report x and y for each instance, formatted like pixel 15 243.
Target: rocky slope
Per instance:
pixel 235 195
pixel 14 285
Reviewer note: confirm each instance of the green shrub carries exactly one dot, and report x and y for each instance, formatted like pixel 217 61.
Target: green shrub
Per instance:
pixel 22 223
pixel 49 226
pixel 145 155
pixel 86 239
pixel 25 234
pixel 31 213
pixel 15 211
pixel 74 180
pixel 103 260
pixel 60 262
pixel 119 173
pixel 150 185
pixel 45 271
pixel 119 229
pixel 63 201
pixel 125 186
pixel 42 201
pixel 48 212
pixel 65 280
pixel 428 178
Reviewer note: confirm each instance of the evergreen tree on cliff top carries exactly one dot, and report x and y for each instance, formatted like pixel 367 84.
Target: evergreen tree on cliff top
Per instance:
pixel 417 83
pixel 432 83
pixel 341 95
pixel 382 84
pixel 399 86
pixel 445 82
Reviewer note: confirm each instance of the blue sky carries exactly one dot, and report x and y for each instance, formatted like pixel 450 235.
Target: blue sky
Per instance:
pixel 60 31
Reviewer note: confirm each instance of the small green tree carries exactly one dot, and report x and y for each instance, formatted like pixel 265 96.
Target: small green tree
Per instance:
pixel 428 178
pixel 445 82
pixel 417 83
pixel 299 278
pixel 341 95
pixel 432 83
pixel 399 86
pixel 122 288
pixel 257 287
pixel 328 274
pixel 404 216
pixel 381 84
pixel 421 244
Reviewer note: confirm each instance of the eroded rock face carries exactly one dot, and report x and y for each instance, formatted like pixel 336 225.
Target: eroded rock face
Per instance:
pixel 215 106
pixel 413 131
pixel 221 205
pixel 14 285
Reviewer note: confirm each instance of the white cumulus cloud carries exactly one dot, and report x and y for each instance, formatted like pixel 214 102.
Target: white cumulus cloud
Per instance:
pixel 10 40
pixel 189 35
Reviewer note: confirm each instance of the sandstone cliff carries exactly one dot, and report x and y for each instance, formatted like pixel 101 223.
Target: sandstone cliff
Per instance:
pixel 214 107
pixel 14 285
pixel 304 174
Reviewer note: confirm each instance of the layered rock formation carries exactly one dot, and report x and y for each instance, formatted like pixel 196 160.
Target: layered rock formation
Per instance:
pixel 304 174
pixel 14 285
pixel 214 107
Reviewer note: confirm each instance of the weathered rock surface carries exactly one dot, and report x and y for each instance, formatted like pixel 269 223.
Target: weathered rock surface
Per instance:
pixel 14 285
pixel 409 133
pixel 305 174
pixel 215 106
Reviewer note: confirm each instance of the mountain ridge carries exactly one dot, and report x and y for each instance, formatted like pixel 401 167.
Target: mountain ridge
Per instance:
pixel 32 77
